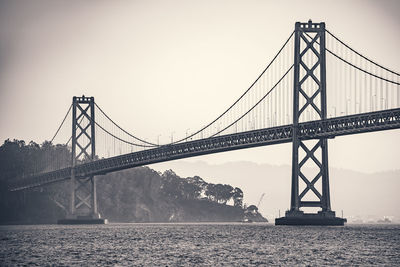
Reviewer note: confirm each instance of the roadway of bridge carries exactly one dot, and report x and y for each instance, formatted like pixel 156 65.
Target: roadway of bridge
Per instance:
pixel 328 128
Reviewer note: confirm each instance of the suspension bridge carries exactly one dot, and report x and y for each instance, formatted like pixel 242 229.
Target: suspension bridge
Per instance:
pixel 316 87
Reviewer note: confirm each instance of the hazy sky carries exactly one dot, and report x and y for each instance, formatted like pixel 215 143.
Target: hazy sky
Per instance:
pixel 158 67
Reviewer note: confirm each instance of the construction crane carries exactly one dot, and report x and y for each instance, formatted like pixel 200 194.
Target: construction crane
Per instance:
pixel 261 198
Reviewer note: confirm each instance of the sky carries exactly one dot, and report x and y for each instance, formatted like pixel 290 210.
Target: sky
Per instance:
pixel 167 67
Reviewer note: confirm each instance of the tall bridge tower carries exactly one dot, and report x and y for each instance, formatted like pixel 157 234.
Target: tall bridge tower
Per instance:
pixel 309 42
pixel 83 202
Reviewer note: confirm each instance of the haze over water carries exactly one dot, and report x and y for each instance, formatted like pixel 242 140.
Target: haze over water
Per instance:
pixel 230 244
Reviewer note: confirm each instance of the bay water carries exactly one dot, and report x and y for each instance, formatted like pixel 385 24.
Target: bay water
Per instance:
pixel 203 244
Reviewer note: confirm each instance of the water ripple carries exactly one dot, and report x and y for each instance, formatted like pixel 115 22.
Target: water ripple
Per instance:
pixel 232 244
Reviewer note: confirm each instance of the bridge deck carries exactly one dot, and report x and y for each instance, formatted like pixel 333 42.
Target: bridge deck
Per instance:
pixel 329 128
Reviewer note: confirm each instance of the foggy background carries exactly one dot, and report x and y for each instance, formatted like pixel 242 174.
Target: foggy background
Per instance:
pixel 164 68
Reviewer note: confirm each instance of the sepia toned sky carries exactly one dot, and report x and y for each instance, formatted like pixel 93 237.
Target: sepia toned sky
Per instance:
pixel 163 67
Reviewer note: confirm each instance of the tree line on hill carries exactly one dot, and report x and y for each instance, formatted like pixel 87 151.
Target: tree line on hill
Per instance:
pixel 138 194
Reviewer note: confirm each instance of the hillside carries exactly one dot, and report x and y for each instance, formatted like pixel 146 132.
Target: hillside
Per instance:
pixel 365 196
pixel 135 195
pixel 144 195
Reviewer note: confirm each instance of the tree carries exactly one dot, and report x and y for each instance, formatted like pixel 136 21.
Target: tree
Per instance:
pixel 237 197
pixel 225 192
pixel 18 159
pixel 219 193
pixel 190 191
pixel 211 192
pixel 171 186
pixel 252 208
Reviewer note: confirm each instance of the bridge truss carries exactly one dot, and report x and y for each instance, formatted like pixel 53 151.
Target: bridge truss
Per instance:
pixel 329 128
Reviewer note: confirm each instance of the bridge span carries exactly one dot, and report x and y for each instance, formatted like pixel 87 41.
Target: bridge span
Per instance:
pixel 329 128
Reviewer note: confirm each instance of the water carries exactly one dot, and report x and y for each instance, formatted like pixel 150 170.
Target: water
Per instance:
pixel 231 244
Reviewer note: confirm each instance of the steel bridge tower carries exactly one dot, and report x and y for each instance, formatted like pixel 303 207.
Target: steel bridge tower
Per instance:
pixel 83 202
pixel 309 38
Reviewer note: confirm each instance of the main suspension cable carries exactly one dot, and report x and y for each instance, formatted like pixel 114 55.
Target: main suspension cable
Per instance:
pixel 66 115
pixel 118 138
pixel 373 62
pixel 137 138
pixel 276 84
pixel 354 66
pixel 280 50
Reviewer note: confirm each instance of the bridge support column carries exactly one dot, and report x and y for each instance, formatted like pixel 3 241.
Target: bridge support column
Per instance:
pixel 309 101
pixel 83 202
